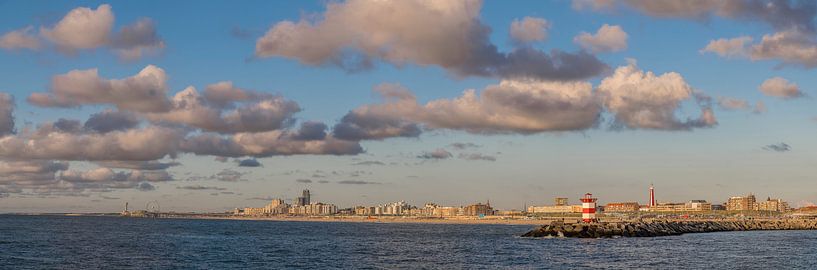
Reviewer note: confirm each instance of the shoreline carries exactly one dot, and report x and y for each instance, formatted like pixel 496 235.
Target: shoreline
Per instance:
pixel 462 220
pixel 383 220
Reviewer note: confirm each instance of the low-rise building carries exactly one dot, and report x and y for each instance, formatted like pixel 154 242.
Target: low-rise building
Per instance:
pixel 254 211
pixel 511 212
pixel 545 209
pixel 668 207
pixel 741 203
pixel 690 206
pixel 776 205
pixel 620 207
pixel 446 211
pixel 698 205
pixel 478 209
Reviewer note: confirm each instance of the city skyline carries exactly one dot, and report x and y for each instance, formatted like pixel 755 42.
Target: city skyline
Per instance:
pixel 560 205
pixel 587 207
pixel 369 102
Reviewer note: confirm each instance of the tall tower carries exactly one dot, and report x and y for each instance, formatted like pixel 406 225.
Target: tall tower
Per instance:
pixel 652 196
pixel 588 208
pixel 306 197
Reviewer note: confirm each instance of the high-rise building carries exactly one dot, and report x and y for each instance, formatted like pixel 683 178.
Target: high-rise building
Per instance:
pixel 304 199
pixel 560 201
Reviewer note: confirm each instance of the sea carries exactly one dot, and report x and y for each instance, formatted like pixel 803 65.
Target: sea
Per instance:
pixel 87 242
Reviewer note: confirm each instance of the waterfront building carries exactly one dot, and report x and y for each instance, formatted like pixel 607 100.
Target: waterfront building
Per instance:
pixel 314 209
pixel 304 199
pixel 346 211
pixel 697 205
pixel 478 209
pixel 690 206
pixel 395 208
pixel 428 209
pixel 364 210
pixel 620 207
pixel 512 212
pixel 667 207
pixel 435 210
pixel 561 206
pixel 739 203
pixel 545 209
pixel 400 208
pixel 776 205
pixel 446 211
pixel 276 207
pixel 253 211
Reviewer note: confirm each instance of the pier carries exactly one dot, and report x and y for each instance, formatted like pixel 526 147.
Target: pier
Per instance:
pixel 664 227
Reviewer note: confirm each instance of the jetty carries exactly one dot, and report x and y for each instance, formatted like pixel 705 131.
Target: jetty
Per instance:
pixel 664 227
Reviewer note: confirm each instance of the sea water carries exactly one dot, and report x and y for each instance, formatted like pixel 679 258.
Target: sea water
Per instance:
pixel 62 242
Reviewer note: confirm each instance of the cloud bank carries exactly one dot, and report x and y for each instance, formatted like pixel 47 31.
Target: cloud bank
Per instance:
pixel 355 34
pixel 85 28
pixel 635 99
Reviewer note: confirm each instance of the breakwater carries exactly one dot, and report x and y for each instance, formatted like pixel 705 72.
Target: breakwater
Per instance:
pixel 664 228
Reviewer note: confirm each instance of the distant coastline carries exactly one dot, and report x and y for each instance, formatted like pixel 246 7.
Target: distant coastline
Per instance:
pixel 487 220
pixel 351 219
pixel 381 219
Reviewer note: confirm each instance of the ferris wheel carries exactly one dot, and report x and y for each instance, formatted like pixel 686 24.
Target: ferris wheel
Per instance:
pixel 153 207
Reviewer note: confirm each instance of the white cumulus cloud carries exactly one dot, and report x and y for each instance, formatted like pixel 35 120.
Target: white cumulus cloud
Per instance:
pixel 449 34
pixel 609 38
pixel 643 100
pixel 780 88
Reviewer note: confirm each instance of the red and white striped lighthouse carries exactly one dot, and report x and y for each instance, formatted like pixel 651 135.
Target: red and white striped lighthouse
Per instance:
pixel 588 208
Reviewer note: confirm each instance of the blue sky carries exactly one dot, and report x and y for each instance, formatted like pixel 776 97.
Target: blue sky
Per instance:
pixel 213 41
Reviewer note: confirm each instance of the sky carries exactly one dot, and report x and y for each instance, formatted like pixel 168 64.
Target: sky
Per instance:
pixel 207 106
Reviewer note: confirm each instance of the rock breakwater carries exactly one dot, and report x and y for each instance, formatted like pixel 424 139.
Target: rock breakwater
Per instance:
pixel 664 228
